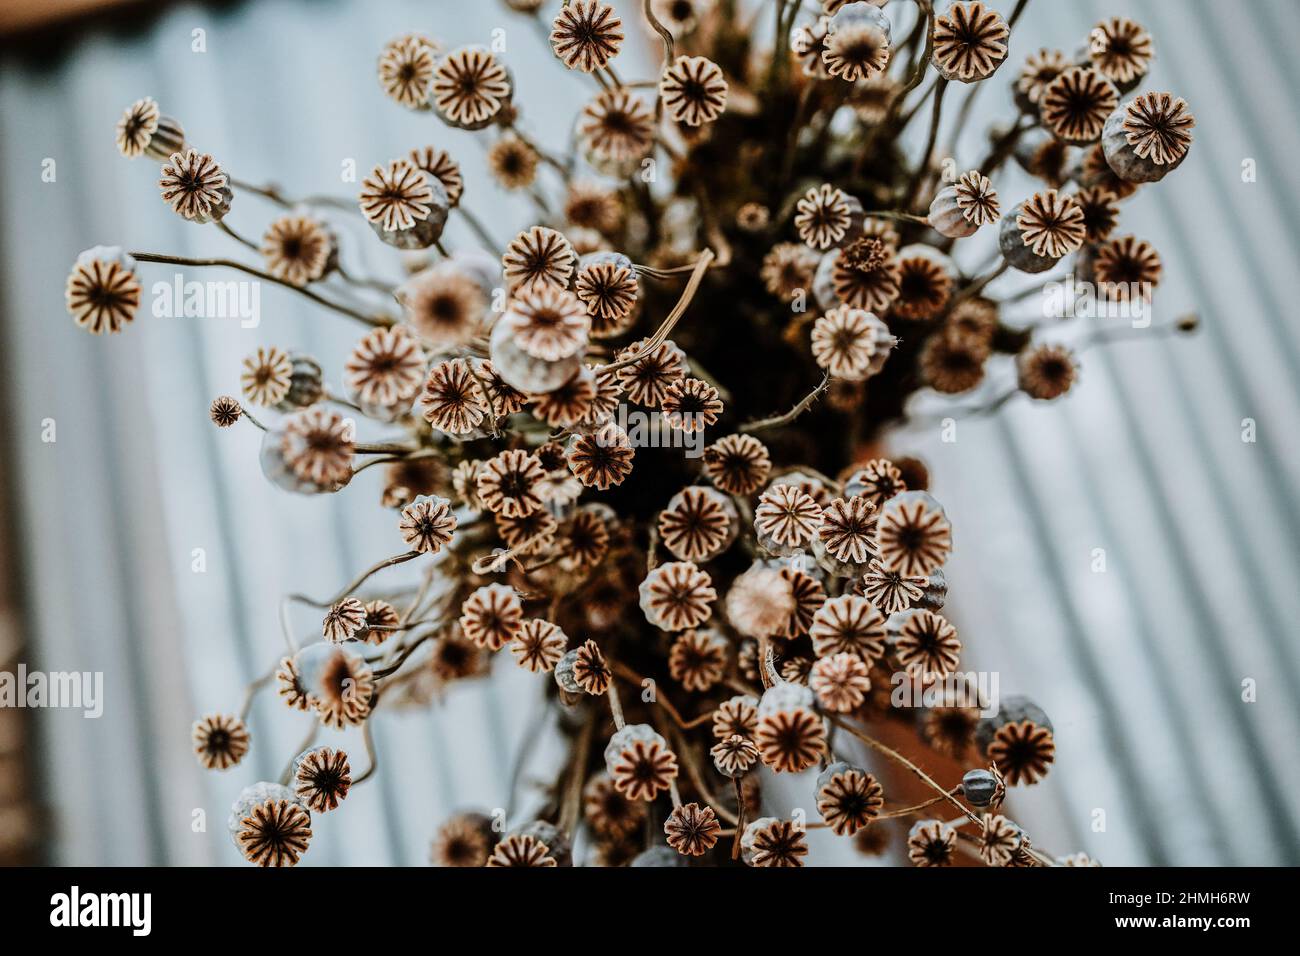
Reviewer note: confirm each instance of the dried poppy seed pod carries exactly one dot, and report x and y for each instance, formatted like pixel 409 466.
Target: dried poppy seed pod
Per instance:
pixel 480 267
pixel 385 371
pixel 947 217
pixel 785 697
pixel 103 291
pixel 979 787
pixel 472 89
pixel 564 675
pixel 931 843
pixel 1041 154
pixel 659 856
pixel 1075 105
pixel 1010 710
pixel 269 825
pixel 225 411
pixel 1011 243
pixel 786 520
pixel 759 602
pixel 314 662
pixel 465 839
pixel 1122 51
pixel 771 842
pixel 734 756
pixel 698 523
pixel 322 778
pixel 422 233
pixel 614 132
pixel 143 130
pixel 935 593
pixel 627 735
pixel 848 798
pixel 1147 137
pixel 220 741
pixel 276 468
pixel 607 285
pixel 639 762
pixel 840 766
pixel 1000 841
pixel 925 282
pixel 823 284
pixel 1019 740
pixel 833 566
pixel 969 42
pixel 195 186
pixel 528 373
pixel 255 794
pixel 306 383
pixel 1039 70
pixel 555 841
pixel 861 12
pixel 676 596
pixel 856 43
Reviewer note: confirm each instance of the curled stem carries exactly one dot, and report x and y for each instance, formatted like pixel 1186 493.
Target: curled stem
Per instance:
pixel 368 738
pixel 357 582
pixel 251 691
pixel 661 333
pixel 406 652
pixel 667 38
pixel 221 224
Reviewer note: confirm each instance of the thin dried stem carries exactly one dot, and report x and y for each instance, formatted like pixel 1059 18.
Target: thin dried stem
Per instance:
pixel 661 333
pixel 250 692
pixel 376 321
pixel 358 581
pixel 368 738
pixel 667 38
pixel 923 167
pixel 802 406
pixel 898 758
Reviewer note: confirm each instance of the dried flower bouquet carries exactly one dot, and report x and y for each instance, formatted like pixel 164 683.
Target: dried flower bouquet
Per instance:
pixel 634 451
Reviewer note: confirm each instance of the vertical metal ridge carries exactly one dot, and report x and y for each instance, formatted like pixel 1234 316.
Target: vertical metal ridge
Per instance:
pixel 1157 659
pixel 1082 652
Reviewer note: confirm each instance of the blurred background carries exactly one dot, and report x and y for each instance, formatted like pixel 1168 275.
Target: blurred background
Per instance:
pixel 1147 667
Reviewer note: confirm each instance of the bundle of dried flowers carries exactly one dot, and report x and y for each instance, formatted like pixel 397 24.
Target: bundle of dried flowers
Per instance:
pixel 614 426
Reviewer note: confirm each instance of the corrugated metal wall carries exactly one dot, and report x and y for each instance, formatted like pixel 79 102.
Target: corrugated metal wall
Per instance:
pixel 1141 666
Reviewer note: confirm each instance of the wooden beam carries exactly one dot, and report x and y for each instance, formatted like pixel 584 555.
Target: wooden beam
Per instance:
pixel 20 16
